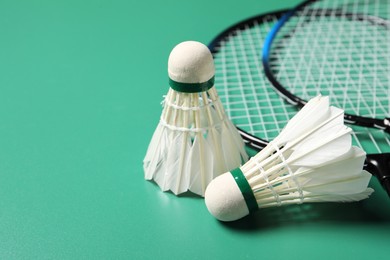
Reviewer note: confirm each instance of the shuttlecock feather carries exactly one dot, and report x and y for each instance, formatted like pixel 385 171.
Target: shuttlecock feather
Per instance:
pixel 311 160
pixel 194 141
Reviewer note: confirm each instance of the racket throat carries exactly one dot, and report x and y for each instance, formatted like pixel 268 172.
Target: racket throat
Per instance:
pixel 379 166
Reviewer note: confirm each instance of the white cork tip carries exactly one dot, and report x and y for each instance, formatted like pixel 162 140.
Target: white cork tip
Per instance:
pixel 224 199
pixel 191 62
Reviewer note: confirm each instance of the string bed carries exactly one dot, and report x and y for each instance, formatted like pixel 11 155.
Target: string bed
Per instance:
pixel 253 104
pixel 340 49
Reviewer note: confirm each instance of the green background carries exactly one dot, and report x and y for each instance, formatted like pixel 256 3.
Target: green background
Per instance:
pixel 80 89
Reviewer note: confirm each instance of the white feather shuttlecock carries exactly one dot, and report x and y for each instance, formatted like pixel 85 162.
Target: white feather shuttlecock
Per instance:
pixel 194 141
pixel 311 160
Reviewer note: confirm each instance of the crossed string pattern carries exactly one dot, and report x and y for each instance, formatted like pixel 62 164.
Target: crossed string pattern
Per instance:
pixel 338 48
pixel 251 102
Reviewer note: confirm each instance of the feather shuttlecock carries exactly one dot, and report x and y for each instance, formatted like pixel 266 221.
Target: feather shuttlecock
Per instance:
pixel 311 160
pixel 194 141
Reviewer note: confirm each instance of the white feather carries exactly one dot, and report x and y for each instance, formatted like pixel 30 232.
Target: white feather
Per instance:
pixel 346 167
pixel 332 123
pixel 200 165
pixel 323 148
pixel 231 154
pixel 238 142
pixel 355 184
pixel 175 177
pixel 156 155
pixel 214 142
pixel 312 114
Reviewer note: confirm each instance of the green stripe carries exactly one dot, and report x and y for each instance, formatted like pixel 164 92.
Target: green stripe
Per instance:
pixel 191 87
pixel 245 189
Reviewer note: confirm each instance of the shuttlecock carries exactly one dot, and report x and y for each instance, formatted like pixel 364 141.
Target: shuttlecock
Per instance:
pixel 194 141
pixel 311 160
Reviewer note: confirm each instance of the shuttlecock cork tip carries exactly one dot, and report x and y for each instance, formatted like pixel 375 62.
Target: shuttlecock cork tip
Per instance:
pixel 224 199
pixel 191 63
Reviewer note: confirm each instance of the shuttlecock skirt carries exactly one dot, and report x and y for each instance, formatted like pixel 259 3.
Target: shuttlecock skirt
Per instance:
pixel 194 142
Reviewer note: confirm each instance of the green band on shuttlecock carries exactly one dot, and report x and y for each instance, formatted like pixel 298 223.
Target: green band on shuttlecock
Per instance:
pixel 245 189
pixel 191 87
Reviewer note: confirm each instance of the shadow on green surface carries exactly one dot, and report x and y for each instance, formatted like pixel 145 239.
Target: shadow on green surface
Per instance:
pixel 187 194
pixel 375 210
pixel 307 214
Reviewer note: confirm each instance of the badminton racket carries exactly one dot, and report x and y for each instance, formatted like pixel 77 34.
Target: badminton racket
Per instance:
pixel 257 109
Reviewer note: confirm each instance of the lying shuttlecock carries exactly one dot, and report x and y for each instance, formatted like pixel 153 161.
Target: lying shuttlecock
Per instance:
pixel 311 160
pixel 194 141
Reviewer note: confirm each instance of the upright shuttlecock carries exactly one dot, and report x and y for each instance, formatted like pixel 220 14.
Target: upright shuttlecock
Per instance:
pixel 194 141
pixel 312 160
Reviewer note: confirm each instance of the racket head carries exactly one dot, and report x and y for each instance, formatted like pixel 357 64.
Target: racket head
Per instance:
pixel 250 99
pixel 254 106
pixel 336 48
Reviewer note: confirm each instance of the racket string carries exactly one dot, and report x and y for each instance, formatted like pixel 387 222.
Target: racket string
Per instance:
pixel 252 103
pixel 327 22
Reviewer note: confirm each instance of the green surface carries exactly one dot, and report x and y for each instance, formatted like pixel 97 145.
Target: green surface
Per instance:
pixel 80 90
